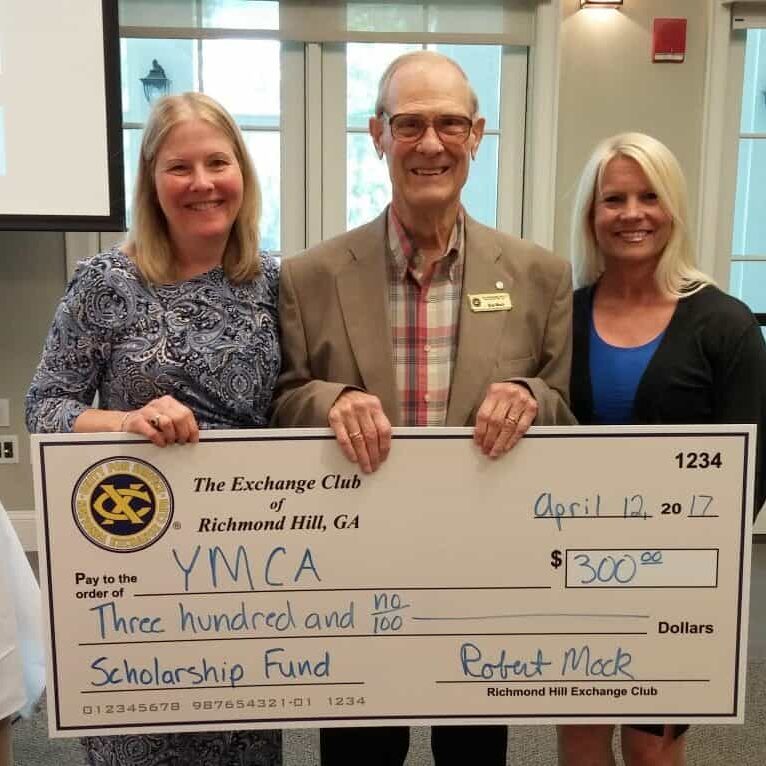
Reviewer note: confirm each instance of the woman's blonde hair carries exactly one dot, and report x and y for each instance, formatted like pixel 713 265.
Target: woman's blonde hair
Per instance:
pixel 148 241
pixel 676 273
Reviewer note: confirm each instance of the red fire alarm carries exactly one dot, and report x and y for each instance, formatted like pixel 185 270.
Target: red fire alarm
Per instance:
pixel 669 40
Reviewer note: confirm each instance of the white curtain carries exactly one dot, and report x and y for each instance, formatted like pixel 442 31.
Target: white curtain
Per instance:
pixel 22 659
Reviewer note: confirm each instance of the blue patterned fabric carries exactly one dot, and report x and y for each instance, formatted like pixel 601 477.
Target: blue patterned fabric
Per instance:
pixel 212 345
pixel 225 748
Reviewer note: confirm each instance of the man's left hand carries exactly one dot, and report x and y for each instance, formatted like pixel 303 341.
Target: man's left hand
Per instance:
pixel 506 413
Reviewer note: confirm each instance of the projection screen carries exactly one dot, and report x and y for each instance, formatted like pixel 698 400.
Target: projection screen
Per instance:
pixel 60 138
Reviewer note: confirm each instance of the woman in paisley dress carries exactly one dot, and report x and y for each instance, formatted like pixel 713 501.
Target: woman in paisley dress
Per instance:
pixel 175 330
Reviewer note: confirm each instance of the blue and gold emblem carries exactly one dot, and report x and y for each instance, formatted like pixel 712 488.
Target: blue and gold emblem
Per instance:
pixel 122 504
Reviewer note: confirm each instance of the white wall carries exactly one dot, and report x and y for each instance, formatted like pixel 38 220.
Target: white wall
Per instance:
pixel 609 84
pixel 32 279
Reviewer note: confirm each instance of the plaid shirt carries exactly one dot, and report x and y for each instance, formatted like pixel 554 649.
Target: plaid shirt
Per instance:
pixel 424 306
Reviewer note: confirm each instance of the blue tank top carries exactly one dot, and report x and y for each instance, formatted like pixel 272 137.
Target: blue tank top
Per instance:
pixel 615 373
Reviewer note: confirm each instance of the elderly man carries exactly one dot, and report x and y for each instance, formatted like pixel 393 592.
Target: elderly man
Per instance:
pixel 423 317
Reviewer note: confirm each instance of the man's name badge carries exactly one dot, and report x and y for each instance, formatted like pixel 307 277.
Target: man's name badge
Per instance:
pixel 490 302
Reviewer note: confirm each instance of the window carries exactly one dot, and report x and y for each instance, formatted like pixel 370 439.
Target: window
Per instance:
pixel 351 75
pixel 301 81
pixel 225 69
pixel 368 186
pixel 748 267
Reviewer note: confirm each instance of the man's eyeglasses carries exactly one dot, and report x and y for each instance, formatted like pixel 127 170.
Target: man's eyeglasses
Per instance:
pixel 451 128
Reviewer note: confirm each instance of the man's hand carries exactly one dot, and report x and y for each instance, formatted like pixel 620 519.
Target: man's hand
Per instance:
pixel 362 429
pixel 506 413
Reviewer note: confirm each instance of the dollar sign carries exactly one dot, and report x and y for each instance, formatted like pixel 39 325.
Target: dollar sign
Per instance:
pixel 556 559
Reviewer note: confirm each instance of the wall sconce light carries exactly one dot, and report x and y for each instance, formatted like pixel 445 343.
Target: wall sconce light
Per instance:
pixel 155 83
pixel 600 3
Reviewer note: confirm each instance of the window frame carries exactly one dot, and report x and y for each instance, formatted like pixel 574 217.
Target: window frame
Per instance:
pixel 720 147
pixel 533 166
pixel 292 117
pixel 511 129
pixel 303 124
pixel 741 51
pixel 720 143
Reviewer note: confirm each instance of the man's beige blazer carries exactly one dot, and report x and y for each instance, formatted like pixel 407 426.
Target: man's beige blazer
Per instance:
pixel 336 331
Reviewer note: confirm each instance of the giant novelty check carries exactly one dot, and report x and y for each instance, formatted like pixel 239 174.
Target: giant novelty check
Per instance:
pixel 257 579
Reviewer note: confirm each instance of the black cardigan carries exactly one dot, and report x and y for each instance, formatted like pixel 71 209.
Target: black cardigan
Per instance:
pixel 710 367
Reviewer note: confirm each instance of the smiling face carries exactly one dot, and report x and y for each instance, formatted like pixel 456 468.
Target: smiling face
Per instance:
pixel 429 173
pixel 629 222
pixel 199 185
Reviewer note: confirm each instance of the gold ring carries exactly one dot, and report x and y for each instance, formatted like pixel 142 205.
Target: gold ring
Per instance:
pixel 155 421
pixel 511 419
pixel 355 435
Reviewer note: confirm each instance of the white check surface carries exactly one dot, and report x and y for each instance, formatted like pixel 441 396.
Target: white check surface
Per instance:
pixel 590 575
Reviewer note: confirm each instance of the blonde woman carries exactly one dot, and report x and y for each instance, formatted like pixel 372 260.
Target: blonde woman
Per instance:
pixel 655 341
pixel 176 330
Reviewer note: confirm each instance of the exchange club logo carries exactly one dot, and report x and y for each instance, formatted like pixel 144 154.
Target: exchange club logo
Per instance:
pixel 122 504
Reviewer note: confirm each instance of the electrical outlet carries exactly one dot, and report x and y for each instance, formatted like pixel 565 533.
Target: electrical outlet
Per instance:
pixel 9 449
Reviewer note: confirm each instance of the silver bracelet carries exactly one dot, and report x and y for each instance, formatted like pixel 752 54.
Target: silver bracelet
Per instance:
pixel 125 420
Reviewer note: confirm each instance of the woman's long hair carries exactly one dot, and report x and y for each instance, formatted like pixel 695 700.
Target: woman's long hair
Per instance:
pixel 676 273
pixel 148 242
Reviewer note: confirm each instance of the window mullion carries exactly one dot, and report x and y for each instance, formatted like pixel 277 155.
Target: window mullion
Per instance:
pixel 510 174
pixel 200 77
pixel 294 127
pixel 333 139
pixel 313 144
